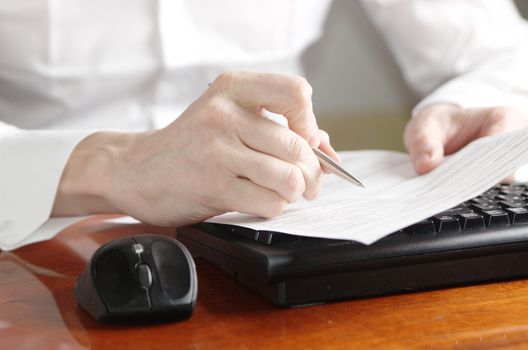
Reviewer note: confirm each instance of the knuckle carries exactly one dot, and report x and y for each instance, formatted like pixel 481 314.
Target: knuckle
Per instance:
pixel 315 187
pixel 301 89
pixel 294 183
pixel 296 146
pixel 218 114
pixel 420 139
pixel 225 80
pixel 276 207
pixel 215 107
pixel 501 115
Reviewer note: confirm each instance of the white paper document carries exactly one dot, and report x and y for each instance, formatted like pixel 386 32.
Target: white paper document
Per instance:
pixel 394 197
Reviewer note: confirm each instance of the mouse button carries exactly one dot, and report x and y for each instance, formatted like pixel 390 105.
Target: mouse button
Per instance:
pixel 173 269
pixel 117 280
pixel 145 275
pixel 138 248
pixel 144 240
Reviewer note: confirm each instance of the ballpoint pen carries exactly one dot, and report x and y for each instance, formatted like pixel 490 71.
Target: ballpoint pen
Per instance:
pixel 326 162
pixel 335 168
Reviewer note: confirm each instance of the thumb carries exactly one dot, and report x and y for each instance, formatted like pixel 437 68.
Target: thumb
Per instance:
pixel 290 96
pixel 424 139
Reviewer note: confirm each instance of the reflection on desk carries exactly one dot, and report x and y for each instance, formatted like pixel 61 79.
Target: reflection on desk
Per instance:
pixel 38 310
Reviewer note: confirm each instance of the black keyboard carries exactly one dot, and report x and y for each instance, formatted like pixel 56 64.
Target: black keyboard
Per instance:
pixel 482 240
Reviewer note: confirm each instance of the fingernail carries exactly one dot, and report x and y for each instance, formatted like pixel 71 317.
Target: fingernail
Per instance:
pixel 314 140
pixel 421 160
pixel 312 196
pixel 339 160
pixel 425 155
pixel 337 156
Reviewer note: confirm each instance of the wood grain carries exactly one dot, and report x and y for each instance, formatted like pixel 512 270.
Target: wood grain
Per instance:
pixel 38 310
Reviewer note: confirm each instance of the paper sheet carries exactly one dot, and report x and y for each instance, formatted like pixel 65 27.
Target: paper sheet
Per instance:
pixel 394 197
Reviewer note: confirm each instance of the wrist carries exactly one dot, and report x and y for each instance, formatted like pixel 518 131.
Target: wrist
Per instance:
pixel 89 180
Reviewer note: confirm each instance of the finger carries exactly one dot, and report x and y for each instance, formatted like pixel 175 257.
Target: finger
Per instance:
pixel 425 142
pixel 288 95
pixel 247 197
pixel 267 137
pixel 325 138
pixel 327 148
pixel 329 151
pixel 269 172
pixel 499 120
pixel 472 123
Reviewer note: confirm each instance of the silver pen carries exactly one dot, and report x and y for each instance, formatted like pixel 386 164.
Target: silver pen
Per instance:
pixel 335 168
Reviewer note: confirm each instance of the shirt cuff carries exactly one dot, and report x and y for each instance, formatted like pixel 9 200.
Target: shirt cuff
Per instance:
pixel 32 163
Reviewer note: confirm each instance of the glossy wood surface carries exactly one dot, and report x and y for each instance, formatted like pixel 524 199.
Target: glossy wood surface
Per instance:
pixel 38 310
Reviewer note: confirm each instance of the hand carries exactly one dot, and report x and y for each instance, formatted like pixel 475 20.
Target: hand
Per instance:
pixel 220 155
pixel 443 129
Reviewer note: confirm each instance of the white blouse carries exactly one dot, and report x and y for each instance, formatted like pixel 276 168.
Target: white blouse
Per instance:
pixel 69 67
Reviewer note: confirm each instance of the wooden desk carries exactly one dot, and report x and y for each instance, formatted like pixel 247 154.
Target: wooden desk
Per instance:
pixel 38 310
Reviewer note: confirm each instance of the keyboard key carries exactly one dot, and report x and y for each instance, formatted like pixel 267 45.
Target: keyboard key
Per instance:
pixel 245 232
pixel 495 217
pixel 421 227
pixel 482 206
pixel 456 210
pixel 510 197
pixel 517 215
pixel 264 237
pixel 271 237
pixel 471 221
pixel 510 191
pixel 513 204
pixel 491 193
pixel 483 200
pixel 446 223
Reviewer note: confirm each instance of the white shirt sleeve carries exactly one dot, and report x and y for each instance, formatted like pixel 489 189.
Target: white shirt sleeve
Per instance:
pixel 32 164
pixel 472 53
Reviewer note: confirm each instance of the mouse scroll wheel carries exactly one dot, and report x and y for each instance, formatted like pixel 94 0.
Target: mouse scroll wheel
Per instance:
pixel 138 248
pixel 145 275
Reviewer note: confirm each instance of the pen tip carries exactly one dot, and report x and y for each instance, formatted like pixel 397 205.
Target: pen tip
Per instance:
pixel 357 182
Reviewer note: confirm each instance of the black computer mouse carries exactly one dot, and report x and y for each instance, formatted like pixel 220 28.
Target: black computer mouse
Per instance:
pixel 139 278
